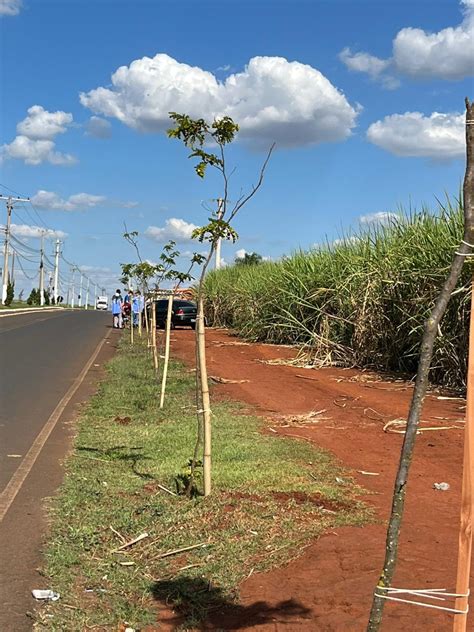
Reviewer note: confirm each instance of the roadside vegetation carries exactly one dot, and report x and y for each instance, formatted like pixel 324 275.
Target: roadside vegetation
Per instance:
pixel 359 302
pixel 272 496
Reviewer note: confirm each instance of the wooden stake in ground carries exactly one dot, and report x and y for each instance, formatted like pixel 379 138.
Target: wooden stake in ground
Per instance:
pixel 205 399
pixel 145 316
pixel 467 499
pixel 153 335
pixel 130 318
pixel 140 315
pixel 421 383
pixel 169 316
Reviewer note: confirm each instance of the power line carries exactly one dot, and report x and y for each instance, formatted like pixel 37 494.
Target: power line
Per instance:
pixel 21 254
pixel 31 203
pixel 23 245
pixel 23 270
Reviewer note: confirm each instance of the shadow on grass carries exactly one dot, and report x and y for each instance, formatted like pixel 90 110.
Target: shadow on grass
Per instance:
pixel 122 453
pixel 196 601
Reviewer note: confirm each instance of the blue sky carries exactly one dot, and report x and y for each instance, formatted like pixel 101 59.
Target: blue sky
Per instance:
pixel 364 100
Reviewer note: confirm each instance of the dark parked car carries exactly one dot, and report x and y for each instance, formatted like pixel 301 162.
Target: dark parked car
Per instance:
pixel 184 313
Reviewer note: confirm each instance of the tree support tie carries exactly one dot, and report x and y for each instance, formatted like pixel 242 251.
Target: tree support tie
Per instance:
pixel 439 594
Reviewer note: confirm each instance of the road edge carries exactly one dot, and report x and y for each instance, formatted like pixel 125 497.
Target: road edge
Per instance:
pixel 16 482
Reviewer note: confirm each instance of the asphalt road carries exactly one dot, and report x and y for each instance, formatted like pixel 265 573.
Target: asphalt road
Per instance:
pixel 42 355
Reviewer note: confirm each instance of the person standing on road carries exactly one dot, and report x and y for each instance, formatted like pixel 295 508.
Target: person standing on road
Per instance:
pixel 117 303
pixel 136 308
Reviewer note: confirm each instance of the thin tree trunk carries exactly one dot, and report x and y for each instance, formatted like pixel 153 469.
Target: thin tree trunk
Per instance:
pixel 421 383
pixel 169 315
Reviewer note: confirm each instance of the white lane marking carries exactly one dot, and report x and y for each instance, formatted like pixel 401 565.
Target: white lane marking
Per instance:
pixel 33 310
pixel 15 483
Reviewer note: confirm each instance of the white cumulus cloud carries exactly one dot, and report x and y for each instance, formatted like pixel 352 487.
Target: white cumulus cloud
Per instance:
pixel 43 125
pixel 363 62
pixel 373 66
pixel 51 201
pixel 35 152
pixel 176 229
pixel 35 143
pixel 447 54
pixel 95 269
pixel 10 7
pixel 272 99
pixel 381 217
pixel 439 136
pixel 98 127
pixel 240 254
pixel 27 231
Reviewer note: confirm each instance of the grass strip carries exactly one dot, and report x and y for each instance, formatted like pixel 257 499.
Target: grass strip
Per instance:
pixel 271 497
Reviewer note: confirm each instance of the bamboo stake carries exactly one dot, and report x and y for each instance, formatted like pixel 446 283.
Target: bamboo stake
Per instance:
pixel 169 315
pixel 467 498
pixel 130 319
pixel 140 316
pixel 206 403
pixel 153 335
pixel 145 315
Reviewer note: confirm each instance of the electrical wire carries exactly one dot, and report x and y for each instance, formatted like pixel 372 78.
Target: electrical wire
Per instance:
pixel 21 254
pixel 23 244
pixel 41 220
pixel 23 270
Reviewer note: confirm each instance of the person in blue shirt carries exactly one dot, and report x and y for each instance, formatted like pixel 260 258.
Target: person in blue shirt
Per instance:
pixel 117 304
pixel 136 307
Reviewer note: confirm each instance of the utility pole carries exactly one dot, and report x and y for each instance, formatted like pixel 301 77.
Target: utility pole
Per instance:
pixel 56 272
pixel 87 293
pixel 73 290
pixel 220 203
pixel 12 273
pixel 50 283
pixel 80 293
pixel 41 271
pixel 10 202
pixel 95 295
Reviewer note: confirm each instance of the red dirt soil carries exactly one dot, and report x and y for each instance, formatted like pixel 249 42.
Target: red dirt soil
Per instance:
pixel 329 588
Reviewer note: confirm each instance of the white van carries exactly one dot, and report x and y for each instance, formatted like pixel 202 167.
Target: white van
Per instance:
pixel 102 302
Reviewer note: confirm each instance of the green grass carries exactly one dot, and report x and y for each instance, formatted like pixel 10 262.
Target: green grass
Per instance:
pixel 265 505
pixel 15 305
pixel 360 302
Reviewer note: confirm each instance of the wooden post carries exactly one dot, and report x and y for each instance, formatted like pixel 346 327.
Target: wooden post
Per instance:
pixel 206 402
pixel 140 315
pixel 153 335
pixel 467 499
pixel 169 316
